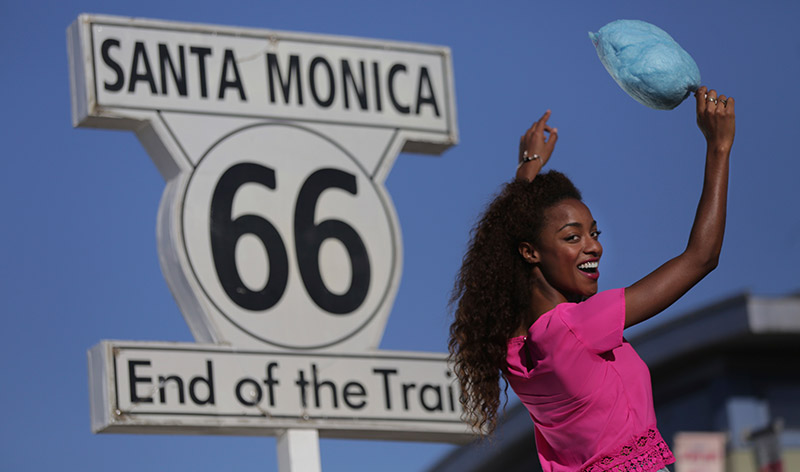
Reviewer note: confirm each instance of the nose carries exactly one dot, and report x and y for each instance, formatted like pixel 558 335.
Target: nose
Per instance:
pixel 593 247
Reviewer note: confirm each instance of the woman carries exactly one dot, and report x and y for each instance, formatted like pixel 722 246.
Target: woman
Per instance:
pixel 527 308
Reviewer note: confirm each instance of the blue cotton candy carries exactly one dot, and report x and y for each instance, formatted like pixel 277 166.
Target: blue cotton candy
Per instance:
pixel 647 63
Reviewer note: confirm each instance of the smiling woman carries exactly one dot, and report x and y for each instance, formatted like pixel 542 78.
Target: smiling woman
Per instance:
pixel 566 251
pixel 527 309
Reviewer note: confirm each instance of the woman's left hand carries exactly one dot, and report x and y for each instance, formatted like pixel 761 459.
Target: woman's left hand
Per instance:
pixel 535 144
pixel 665 285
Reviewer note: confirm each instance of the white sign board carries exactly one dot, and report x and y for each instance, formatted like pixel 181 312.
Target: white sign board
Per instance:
pixel 275 232
pixel 274 147
pixel 195 389
pixel 264 74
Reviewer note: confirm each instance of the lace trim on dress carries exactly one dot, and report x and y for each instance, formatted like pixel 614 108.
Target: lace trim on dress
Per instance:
pixel 648 453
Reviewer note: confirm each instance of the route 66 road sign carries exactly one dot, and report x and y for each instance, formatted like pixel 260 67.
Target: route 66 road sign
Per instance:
pixel 275 229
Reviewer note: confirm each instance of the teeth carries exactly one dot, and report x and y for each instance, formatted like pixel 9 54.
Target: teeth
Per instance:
pixel 588 265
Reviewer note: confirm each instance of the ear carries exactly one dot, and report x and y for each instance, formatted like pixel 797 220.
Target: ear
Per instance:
pixel 528 252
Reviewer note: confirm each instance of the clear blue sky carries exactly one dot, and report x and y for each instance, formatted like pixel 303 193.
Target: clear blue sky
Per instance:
pixel 79 259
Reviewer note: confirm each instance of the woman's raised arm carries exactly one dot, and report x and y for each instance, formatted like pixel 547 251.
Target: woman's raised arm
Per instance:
pixel 535 149
pixel 658 290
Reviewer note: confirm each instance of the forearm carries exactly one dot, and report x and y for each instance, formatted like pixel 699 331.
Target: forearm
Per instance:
pixel 705 238
pixel 529 170
pixel 662 287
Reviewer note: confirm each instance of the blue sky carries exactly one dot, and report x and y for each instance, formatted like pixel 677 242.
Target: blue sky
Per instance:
pixel 79 258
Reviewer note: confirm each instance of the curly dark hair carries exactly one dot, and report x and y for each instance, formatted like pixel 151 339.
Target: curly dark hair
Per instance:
pixel 493 289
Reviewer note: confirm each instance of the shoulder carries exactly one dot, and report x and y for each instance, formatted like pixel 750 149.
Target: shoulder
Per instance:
pixel 614 298
pixel 572 319
pixel 607 301
pixel 598 321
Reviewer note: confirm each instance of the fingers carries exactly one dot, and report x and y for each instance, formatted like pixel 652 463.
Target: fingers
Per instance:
pixel 700 96
pixel 551 143
pixel 537 129
pixel 723 104
pixel 716 118
pixel 551 138
pixel 544 117
pixel 533 141
pixel 709 100
pixel 538 125
pixel 707 103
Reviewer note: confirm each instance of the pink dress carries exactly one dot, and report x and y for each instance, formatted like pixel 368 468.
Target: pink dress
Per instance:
pixel 587 390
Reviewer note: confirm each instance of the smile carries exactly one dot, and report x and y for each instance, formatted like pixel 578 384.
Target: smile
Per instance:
pixel 590 269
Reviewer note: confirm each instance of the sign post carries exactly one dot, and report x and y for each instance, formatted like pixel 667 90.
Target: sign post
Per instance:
pixel 298 450
pixel 275 232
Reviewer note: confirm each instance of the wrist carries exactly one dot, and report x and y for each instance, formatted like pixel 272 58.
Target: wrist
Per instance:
pixel 527 158
pixel 718 148
pixel 529 169
pixel 530 163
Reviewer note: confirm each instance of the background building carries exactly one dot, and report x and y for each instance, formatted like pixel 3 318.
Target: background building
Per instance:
pixel 729 367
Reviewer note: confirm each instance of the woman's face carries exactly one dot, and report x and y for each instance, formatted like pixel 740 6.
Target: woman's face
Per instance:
pixel 568 250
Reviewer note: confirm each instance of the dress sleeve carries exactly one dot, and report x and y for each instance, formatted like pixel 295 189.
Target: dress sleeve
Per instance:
pixel 598 322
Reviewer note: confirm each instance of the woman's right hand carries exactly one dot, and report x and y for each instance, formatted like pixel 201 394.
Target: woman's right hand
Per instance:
pixel 534 144
pixel 716 118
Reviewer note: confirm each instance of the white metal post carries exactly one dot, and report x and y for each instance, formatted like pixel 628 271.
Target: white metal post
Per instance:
pixel 298 451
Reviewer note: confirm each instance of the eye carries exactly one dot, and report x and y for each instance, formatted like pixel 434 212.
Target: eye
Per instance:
pixel 572 238
pixel 595 234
